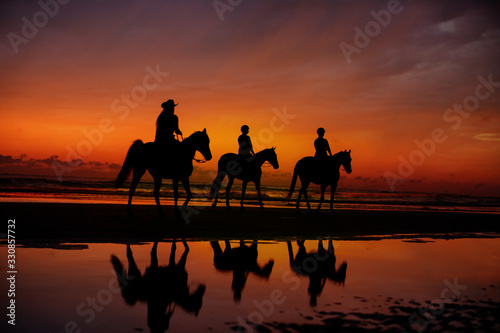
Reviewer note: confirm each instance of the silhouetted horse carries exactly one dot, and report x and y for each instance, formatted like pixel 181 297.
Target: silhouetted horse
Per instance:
pixel 235 166
pixel 318 266
pixel 171 162
pixel 161 287
pixel 324 172
pixel 241 261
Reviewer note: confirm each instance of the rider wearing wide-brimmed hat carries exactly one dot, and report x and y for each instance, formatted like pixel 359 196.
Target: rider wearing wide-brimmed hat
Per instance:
pixel 167 124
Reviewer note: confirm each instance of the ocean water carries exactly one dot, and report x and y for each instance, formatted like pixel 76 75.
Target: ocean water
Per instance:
pixel 39 189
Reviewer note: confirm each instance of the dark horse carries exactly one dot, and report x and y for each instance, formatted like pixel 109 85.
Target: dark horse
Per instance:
pixel 172 162
pixel 318 266
pixel 235 166
pixel 322 172
pixel 161 287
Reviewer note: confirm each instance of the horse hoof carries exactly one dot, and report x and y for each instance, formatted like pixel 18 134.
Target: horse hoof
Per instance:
pixel 229 208
pixel 242 208
pixel 214 205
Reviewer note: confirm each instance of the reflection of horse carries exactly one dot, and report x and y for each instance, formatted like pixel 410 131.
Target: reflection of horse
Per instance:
pixel 235 166
pixel 171 162
pixel 241 261
pixel 318 266
pixel 161 287
pixel 322 172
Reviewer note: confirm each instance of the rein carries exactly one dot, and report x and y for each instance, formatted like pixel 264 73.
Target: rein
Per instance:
pixel 199 161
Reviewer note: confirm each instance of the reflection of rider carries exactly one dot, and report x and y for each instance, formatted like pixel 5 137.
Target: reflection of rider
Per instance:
pixel 321 145
pixel 167 124
pixel 161 287
pixel 245 149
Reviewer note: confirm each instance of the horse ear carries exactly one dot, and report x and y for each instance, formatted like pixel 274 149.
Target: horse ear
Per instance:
pixel 349 151
pixel 274 148
pixel 204 130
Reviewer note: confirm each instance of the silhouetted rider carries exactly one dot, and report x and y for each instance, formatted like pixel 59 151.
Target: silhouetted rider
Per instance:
pixel 245 149
pixel 167 124
pixel 321 145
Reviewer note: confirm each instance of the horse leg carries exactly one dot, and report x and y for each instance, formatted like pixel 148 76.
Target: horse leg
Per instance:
pixel 243 190
pixel 187 188
pixel 323 189
pixel 332 195
pixel 228 190
pixel 156 192
pixel 306 197
pixel 175 185
pixel 290 253
pixel 137 175
pixel 217 185
pixel 297 205
pixel 257 187
pixel 303 191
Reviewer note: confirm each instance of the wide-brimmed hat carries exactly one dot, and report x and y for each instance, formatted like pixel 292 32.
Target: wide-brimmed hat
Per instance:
pixel 169 103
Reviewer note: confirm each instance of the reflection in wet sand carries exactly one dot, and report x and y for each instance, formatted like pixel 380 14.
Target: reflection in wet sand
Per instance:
pixel 241 261
pixel 391 286
pixel 319 266
pixel 162 287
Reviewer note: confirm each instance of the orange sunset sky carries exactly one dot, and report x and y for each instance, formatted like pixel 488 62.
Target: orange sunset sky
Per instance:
pixel 411 87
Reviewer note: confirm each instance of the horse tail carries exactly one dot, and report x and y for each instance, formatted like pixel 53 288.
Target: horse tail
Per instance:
pixel 128 164
pixel 292 185
pixel 216 185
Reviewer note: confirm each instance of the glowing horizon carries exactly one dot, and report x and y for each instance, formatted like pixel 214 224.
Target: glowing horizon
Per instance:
pixel 383 95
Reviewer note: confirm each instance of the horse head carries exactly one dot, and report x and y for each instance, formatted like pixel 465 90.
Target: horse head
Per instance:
pixel 201 143
pixel 345 160
pixel 272 158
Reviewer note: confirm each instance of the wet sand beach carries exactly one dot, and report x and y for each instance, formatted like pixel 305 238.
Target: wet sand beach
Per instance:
pixel 64 222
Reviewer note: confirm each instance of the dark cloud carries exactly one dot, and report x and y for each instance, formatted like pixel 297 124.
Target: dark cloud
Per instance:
pixel 50 166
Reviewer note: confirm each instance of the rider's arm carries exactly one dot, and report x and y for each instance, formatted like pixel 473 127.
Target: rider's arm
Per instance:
pixel 328 148
pixel 176 126
pixel 250 146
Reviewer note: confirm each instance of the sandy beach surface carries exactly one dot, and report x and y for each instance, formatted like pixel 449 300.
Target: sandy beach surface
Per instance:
pixel 58 223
